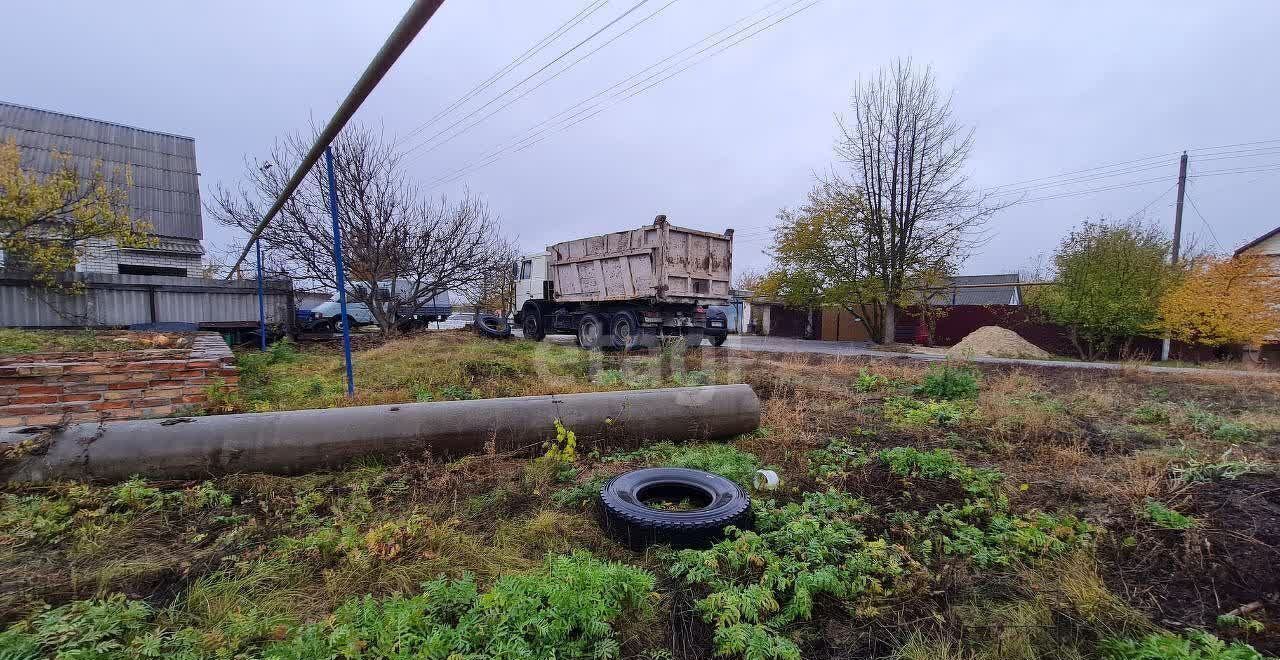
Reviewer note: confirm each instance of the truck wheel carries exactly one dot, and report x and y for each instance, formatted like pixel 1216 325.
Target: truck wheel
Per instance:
pixel 718 340
pixel 531 323
pixel 590 331
pixel 693 337
pixel 625 331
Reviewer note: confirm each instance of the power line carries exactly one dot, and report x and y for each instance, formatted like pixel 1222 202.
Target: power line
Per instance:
pixel 401 36
pixel 536 134
pixel 1206 222
pixel 591 8
pixel 542 82
pixel 526 79
pixel 1088 169
pixel 1083 179
pixel 1093 190
pixel 540 127
pixel 1269 167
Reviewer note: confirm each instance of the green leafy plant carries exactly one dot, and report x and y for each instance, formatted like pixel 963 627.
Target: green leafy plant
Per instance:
pixel 556 465
pixel 1237 622
pixel 907 411
pixel 1224 467
pixel 948 382
pixel 566 610
pixel 867 381
pixel 579 495
pixel 1165 518
pixel 136 495
pixel 1192 645
pixel 690 378
pixel 457 393
pixel 1151 413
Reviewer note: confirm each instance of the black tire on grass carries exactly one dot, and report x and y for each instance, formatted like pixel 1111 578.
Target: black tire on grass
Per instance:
pixel 626 518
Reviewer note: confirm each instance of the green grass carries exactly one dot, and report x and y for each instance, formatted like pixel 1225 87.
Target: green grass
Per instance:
pixel 18 342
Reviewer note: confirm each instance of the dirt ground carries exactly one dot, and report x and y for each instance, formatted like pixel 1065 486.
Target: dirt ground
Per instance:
pixel 1175 477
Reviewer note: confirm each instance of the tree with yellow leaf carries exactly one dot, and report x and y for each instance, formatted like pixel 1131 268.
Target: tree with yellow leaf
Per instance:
pixel 1223 301
pixel 48 221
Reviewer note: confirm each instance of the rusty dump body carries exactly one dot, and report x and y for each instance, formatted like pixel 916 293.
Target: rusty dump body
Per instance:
pixel 660 262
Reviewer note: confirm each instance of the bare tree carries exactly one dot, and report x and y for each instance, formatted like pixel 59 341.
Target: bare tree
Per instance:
pixel 906 157
pixel 401 248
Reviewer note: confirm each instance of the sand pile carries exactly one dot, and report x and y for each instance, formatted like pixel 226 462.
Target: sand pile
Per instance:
pixel 994 341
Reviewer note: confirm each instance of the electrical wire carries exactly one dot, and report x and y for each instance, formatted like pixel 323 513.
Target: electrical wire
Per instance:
pixel 1202 219
pixel 1269 167
pixel 544 81
pixel 568 113
pixel 527 78
pixel 618 98
pixel 1077 193
pixel 583 14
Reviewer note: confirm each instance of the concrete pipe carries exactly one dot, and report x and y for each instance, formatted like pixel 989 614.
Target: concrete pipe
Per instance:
pixel 301 440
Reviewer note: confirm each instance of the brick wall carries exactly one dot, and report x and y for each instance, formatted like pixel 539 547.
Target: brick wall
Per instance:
pixel 103 257
pixel 52 388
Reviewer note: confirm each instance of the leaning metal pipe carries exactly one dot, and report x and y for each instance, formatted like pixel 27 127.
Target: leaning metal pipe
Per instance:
pixel 302 440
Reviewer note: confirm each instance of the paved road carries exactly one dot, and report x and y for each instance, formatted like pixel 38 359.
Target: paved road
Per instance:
pixel 864 349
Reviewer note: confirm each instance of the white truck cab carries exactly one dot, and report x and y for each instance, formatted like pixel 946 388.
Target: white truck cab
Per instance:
pixel 531 273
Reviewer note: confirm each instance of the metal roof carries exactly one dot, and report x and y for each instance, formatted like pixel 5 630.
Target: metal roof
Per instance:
pixel 958 294
pixel 1256 241
pixel 166 186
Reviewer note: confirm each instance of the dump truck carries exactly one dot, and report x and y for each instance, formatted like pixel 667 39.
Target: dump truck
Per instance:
pixel 626 289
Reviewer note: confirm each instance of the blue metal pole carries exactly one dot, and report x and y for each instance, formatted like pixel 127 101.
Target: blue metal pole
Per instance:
pixel 342 280
pixel 262 309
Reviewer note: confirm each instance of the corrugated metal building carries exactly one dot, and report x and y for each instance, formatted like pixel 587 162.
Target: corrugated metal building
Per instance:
pixel 165 191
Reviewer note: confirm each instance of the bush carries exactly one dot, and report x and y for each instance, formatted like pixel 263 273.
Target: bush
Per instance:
pixel 1193 645
pixel 565 610
pixel 948 382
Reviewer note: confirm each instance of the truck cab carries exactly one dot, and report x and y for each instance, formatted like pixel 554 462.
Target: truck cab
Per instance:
pixel 531 277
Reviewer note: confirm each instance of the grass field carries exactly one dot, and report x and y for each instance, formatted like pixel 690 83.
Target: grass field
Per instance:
pixel 927 512
pixel 18 342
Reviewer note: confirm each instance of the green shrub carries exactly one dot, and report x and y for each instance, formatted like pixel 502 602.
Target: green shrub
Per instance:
pixel 566 610
pixel 941 464
pixel 1234 432
pixel 1165 518
pixel 1237 622
pixel 1192 645
pixel 1213 425
pixel 948 382
pixel 913 412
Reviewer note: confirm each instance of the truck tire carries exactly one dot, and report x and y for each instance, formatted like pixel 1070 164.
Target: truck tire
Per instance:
pixel 531 323
pixel 626 516
pixel 624 331
pixel 590 331
pixel 494 327
pixel 693 337
pixel 718 340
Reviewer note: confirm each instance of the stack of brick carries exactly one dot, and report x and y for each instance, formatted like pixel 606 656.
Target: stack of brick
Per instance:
pixel 53 388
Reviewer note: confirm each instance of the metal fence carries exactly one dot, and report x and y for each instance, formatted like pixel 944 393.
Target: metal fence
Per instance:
pixel 110 300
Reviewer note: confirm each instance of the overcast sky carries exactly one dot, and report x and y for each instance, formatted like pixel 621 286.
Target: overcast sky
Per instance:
pixel 1049 88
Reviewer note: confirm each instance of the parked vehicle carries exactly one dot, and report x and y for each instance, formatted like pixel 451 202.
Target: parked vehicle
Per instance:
pixel 626 289
pixel 327 316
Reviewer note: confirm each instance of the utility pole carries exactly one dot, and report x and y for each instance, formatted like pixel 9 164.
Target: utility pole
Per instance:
pixel 1177 234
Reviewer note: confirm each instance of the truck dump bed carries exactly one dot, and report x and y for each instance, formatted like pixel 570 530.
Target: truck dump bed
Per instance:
pixel 659 262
